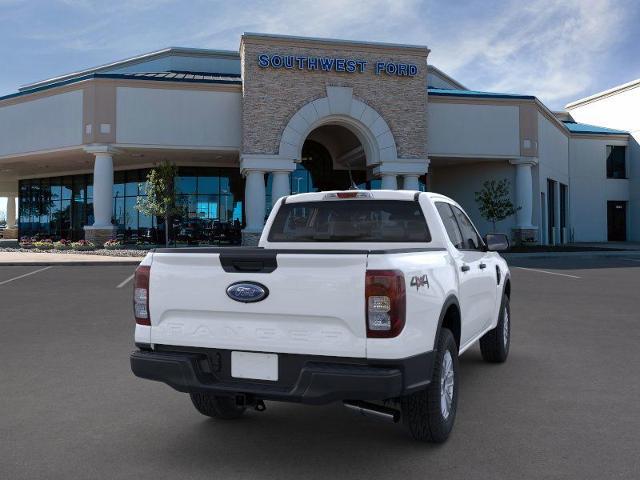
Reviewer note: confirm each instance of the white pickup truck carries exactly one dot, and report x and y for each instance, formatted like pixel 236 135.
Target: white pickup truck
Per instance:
pixel 363 297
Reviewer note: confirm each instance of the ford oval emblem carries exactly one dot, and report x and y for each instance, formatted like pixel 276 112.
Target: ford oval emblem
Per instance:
pixel 247 292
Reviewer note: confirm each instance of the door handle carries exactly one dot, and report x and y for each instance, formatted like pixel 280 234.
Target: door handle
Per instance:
pixel 483 266
pixel 465 268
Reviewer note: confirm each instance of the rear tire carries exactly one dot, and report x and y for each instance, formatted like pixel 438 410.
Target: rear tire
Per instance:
pixel 430 413
pixel 216 406
pixel 494 345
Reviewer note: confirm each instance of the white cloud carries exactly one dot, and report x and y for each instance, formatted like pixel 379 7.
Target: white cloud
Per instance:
pixel 547 48
pixel 541 47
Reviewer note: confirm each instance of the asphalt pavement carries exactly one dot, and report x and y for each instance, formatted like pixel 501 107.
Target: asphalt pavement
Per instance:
pixel 565 405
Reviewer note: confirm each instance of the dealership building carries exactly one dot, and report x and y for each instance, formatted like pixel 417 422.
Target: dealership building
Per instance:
pixel 288 114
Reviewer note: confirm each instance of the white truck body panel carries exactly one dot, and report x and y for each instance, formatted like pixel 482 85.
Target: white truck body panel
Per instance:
pixel 312 308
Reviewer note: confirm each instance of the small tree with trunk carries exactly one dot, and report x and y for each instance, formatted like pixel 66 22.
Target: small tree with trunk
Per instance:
pixel 494 201
pixel 161 199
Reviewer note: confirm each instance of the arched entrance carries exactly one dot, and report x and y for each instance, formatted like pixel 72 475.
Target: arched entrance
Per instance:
pixel 331 143
pixel 335 159
pixel 332 158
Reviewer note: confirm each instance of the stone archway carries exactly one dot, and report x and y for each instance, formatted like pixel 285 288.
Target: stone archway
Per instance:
pixel 339 107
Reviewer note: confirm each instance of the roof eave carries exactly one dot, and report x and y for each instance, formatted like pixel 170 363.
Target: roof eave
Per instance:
pixel 130 61
pixel 603 94
pixel 446 77
pixel 115 76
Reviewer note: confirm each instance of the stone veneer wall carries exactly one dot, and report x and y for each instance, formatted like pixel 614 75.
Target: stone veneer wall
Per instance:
pixel 9 233
pixel 99 236
pixel 272 96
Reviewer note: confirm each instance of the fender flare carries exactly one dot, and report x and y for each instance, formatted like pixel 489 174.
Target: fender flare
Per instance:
pixel 506 279
pixel 449 301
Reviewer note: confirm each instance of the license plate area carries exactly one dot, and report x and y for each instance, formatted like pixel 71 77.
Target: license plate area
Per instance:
pixel 254 366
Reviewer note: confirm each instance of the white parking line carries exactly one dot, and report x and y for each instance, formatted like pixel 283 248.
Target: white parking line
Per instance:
pixel 25 275
pixel 550 273
pixel 125 281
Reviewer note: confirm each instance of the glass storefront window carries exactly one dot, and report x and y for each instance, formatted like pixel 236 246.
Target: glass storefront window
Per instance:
pixel 208 185
pixel 89 186
pixel 131 185
pixel 186 184
pixel 118 213
pixel 118 184
pixel 60 207
pixel 67 189
pixel 131 214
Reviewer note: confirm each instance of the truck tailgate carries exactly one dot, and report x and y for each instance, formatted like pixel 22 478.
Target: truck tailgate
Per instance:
pixel 315 303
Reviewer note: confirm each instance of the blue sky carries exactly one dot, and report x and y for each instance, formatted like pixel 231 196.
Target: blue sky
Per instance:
pixel 557 50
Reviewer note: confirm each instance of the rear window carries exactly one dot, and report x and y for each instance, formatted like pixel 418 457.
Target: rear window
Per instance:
pixel 350 221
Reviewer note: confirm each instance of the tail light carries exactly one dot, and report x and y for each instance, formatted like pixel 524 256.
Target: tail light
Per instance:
pixel 385 303
pixel 141 295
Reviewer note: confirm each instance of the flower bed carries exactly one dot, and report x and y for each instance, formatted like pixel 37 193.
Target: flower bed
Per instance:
pixel 113 245
pixel 26 242
pixel 43 244
pixel 62 245
pixel 83 245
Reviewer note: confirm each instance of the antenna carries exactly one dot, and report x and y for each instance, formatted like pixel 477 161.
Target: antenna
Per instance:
pixel 352 185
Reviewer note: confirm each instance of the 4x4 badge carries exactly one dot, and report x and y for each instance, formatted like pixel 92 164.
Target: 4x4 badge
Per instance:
pixel 419 281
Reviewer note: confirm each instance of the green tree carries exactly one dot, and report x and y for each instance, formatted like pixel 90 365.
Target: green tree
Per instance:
pixel 161 199
pixel 494 201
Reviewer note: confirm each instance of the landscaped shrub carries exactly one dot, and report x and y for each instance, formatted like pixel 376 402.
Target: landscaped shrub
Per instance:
pixel 26 242
pixel 145 245
pixel 83 245
pixel 113 245
pixel 43 244
pixel 62 245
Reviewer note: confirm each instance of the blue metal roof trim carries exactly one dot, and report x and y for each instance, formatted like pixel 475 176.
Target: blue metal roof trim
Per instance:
pixel 585 128
pixel 229 79
pixel 444 92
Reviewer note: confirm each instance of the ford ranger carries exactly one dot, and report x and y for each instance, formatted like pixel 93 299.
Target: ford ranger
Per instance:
pixel 362 297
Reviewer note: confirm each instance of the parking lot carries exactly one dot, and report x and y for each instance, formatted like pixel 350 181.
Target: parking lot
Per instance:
pixel 565 405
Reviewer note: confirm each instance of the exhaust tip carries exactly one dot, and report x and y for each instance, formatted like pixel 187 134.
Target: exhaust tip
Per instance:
pixel 372 410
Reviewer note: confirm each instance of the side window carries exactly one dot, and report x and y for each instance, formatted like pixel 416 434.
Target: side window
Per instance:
pixel 450 224
pixel 470 237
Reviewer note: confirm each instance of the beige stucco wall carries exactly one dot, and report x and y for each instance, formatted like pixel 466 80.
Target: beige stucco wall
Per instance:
pixel 50 122
pixel 462 180
pixel 178 117
pixel 272 96
pixel 460 129
pixel 590 189
pixel 619 110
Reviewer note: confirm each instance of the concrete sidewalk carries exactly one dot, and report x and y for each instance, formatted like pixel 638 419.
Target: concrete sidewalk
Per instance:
pixel 35 259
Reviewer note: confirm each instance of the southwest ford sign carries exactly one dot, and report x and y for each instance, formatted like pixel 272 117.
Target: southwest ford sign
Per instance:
pixel 334 64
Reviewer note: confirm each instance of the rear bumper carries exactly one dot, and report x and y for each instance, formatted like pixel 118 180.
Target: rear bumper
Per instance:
pixel 303 378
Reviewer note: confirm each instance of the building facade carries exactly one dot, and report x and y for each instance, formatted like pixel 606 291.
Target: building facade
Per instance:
pixel 287 115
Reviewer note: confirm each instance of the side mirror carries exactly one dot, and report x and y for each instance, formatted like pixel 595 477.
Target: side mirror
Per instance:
pixel 496 242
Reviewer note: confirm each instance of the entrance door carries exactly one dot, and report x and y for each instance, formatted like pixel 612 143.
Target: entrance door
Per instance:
pixel 551 211
pixel 563 213
pixel 543 222
pixel 617 221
